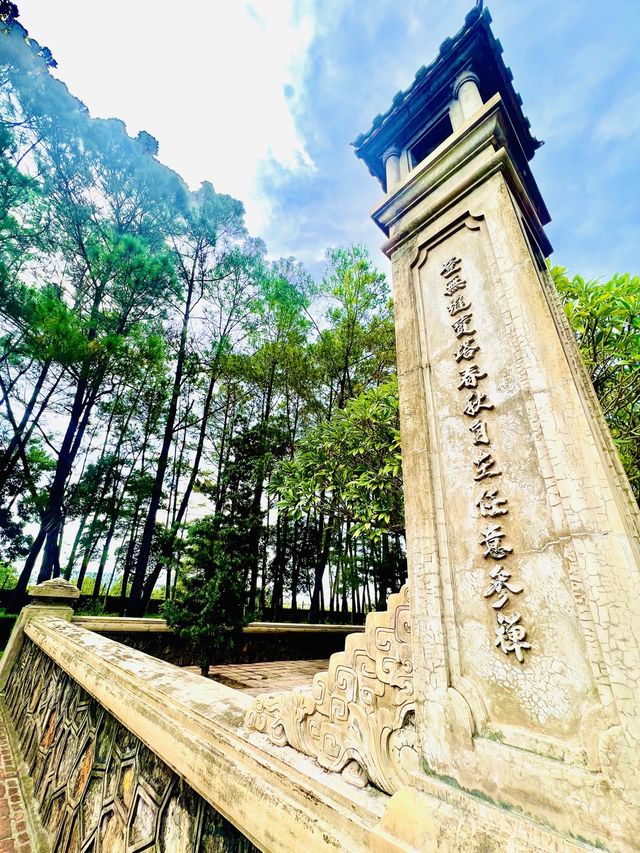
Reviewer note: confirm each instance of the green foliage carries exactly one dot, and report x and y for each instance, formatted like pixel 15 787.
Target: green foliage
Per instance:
pixel 350 464
pixel 93 608
pixel 18 506
pixel 208 608
pixel 17 190
pixel 358 347
pixel 8 575
pixel 605 317
pixel 87 586
pixel 149 350
pixel 7 623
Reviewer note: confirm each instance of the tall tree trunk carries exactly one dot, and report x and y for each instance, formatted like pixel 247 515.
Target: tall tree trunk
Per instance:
pixel 317 598
pixel 104 556
pixel 176 475
pixel 74 548
pixel 344 560
pixel 279 566
pixel 128 560
pixel 295 565
pixel 93 538
pixel 141 590
pixel 19 593
pixel 197 459
pixel 384 573
pixel 52 516
pixel 223 454
pixel 256 504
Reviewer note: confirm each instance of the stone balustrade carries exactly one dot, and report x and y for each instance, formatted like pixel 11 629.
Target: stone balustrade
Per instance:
pixel 119 751
pixel 123 751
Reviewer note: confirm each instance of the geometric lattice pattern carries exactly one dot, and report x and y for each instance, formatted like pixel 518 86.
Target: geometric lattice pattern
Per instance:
pixel 99 789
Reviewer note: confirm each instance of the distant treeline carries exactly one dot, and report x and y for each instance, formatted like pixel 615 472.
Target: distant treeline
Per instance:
pixel 158 374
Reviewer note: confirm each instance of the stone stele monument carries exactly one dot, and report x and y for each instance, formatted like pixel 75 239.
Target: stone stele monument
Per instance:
pixel 498 698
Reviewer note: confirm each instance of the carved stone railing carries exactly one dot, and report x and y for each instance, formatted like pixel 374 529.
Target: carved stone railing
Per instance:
pixel 358 718
pixel 126 751
pixel 122 751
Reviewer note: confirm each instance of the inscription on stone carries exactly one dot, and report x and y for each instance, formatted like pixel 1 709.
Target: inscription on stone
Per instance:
pixel 479 431
pixel 470 376
pixel 510 634
pixel 466 351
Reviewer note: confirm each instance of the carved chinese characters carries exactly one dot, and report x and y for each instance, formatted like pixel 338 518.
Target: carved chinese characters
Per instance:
pixel 510 634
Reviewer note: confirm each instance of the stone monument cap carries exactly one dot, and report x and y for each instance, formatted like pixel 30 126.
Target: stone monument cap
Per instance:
pixel 472 54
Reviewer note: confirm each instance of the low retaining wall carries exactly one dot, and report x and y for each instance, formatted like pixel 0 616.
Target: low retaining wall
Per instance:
pixel 97 785
pixel 261 641
pixel 114 604
pixel 125 752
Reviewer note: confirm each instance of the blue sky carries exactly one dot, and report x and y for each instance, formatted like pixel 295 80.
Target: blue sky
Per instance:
pixel 263 98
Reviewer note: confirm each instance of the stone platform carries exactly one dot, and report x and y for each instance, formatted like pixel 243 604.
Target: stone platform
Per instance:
pixel 270 677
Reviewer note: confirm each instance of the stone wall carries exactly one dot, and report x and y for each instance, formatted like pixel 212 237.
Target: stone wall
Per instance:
pixel 114 604
pixel 261 641
pixel 98 787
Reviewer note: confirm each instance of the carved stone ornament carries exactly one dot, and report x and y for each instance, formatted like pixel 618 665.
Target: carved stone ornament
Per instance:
pixel 54 591
pixel 358 718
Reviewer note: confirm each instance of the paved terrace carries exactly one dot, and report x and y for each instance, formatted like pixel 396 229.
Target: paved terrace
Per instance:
pixel 271 677
pixel 20 827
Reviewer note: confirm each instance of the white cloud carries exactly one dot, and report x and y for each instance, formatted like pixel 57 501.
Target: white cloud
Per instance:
pixel 215 82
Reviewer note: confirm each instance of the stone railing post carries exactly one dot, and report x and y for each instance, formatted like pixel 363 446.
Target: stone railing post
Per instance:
pixel 49 598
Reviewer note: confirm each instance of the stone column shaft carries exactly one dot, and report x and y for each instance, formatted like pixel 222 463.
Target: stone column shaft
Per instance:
pixel 468 95
pixel 392 167
pixel 521 531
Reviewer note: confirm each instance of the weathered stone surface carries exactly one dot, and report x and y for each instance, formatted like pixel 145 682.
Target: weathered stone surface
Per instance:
pixel 522 534
pixel 447 820
pixel 95 781
pixel 55 590
pixel 357 719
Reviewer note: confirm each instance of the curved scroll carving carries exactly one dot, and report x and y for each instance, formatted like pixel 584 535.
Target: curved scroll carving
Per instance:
pixel 358 718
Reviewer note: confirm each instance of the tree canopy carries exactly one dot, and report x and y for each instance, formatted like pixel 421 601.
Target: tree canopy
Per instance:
pixel 605 317
pixel 182 416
